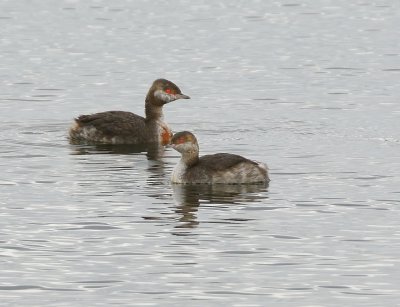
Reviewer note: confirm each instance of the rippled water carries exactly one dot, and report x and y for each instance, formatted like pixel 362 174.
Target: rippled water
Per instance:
pixel 311 88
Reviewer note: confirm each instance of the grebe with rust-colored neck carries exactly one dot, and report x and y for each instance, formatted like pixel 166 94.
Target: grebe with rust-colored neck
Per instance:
pixel 121 127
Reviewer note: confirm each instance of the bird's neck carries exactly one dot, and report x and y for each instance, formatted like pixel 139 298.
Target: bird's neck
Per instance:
pixel 190 157
pixel 153 112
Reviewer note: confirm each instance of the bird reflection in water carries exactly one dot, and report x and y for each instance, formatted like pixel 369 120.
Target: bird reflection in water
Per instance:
pixel 153 151
pixel 188 198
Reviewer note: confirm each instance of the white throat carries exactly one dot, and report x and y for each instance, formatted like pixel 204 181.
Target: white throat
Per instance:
pixel 178 172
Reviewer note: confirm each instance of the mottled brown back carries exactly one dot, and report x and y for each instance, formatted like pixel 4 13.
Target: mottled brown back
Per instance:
pixel 114 123
pixel 210 166
pixel 221 161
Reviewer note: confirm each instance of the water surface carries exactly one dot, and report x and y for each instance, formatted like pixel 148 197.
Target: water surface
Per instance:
pixel 311 88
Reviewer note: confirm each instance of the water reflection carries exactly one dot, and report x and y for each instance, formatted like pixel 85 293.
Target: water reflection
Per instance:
pixel 157 175
pixel 189 197
pixel 154 151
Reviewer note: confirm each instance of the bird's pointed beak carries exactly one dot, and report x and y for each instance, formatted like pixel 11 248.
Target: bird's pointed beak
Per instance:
pixel 182 96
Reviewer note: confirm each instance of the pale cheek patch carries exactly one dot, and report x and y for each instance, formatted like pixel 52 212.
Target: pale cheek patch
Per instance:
pixel 164 96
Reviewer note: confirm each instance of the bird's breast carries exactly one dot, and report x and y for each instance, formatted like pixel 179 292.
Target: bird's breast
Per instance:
pixel 165 135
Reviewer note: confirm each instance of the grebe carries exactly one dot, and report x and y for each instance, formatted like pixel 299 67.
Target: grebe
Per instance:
pixel 218 168
pixel 120 127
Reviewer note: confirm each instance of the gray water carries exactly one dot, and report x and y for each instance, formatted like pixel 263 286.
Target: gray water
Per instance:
pixel 309 87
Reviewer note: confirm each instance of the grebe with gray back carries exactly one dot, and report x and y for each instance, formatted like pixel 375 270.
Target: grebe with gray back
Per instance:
pixel 220 168
pixel 121 127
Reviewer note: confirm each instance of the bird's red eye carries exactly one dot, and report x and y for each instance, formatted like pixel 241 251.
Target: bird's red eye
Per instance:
pixel 168 91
